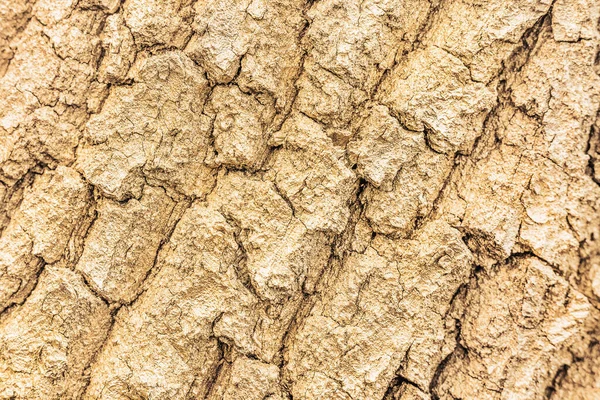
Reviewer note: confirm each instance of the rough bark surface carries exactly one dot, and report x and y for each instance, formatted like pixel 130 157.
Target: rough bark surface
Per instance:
pixel 300 200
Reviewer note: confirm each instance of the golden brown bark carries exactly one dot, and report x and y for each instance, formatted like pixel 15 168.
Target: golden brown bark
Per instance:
pixel 292 199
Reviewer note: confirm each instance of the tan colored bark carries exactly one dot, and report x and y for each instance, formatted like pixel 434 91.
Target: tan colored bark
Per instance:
pixel 292 199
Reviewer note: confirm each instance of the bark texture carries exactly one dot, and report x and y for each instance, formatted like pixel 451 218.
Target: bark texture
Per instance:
pixel 300 200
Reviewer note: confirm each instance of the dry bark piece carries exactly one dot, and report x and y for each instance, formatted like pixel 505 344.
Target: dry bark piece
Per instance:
pixel 241 126
pixel 158 22
pixel 154 129
pixel 392 297
pixel 382 147
pixel 48 343
pixel 509 348
pixel 40 230
pixel 248 379
pixel 163 345
pixel 120 249
pixel 310 171
pixel 432 91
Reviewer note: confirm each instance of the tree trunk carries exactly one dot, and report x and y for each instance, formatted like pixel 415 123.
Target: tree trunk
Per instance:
pixel 295 199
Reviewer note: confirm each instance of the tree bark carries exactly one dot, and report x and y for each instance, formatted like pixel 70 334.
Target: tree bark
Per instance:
pixel 295 199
